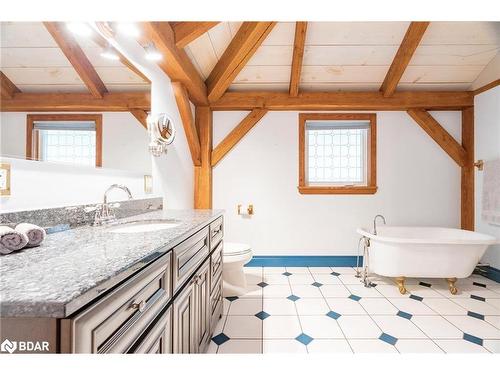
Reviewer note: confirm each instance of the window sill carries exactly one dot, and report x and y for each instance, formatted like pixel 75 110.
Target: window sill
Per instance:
pixel 337 189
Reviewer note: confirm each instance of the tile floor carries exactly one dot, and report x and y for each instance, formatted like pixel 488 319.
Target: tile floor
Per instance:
pixel 328 310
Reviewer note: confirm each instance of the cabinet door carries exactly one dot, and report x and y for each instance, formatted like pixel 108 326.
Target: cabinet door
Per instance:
pixel 185 320
pixel 203 311
pixel 158 340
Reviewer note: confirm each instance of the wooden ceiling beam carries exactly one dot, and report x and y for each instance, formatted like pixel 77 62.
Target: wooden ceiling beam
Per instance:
pixel 439 135
pixel 487 87
pixel 176 63
pixel 334 101
pixel 298 55
pixel 8 88
pixel 186 32
pixel 236 135
pixel 77 58
pixel 405 52
pixel 188 122
pixel 117 102
pixel 141 116
pixel 244 44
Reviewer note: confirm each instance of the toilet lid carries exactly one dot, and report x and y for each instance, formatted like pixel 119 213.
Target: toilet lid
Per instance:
pixel 232 248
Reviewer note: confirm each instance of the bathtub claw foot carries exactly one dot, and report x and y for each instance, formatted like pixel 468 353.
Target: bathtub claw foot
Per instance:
pixel 400 281
pixel 451 285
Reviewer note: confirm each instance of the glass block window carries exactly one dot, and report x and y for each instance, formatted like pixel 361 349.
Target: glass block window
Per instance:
pixel 67 142
pixel 336 152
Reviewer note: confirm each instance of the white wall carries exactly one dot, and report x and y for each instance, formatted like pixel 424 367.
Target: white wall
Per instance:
pixel 418 185
pixel 124 140
pixel 487 137
pixel 37 185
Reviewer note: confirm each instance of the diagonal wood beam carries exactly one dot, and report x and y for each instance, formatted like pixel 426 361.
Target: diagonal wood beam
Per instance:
pixel 439 135
pixel 244 44
pixel 184 106
pixel 186 32
pixel 69 102
pixel 236 135
pixel 176 63
pixel 8 88
pixel 141 116
pixel 98 39
pixel 298 55
pixel 405 52
pixel 77 58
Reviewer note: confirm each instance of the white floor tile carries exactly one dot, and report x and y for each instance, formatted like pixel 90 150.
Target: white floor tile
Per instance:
pixel 306 291
pixel 212 348
pixel 275 279
pixel 283 347
pixel 437 327
pixel 378 306
pixel 411 306
pixel 390 291
pixel 281 327
pixel 312 306
pixel 329 346
pixel 320 270
pixel 362 291
pixel 465 291
pixel 245 306
pixel 345 306
pixel 279 306
pixel 273 291
pixel 475 327
pixel 326 279
pixel 479 307
pixel 359 327
pixel 274 270
pixel 495 302
pixel 219 326
pixel 320 327
pixel 494 320
pixel 253 291
pixel 241 347
pixel 371 346
pixel 423 291
pixel 344 270
pixel 408 346
pixel 294 270
pixel 350 280
pixel 459 346
pixel 243 327
pixel 492 345
pixel 335 291
pixel 301 279
pixel 444 306
pixel 398 327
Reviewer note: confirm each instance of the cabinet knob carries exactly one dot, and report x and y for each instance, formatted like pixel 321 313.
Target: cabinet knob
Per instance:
pixel 138 306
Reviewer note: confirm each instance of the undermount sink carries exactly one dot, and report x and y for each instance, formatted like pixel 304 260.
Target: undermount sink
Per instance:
pixel 142 226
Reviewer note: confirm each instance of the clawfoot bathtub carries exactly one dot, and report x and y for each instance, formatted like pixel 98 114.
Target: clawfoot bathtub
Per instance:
pixel 429 252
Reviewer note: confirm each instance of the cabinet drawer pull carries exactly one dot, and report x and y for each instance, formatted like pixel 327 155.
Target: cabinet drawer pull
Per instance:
pixel 138 306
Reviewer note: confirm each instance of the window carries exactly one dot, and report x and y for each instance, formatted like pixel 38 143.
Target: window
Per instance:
pixel 74 138
pixel 337 153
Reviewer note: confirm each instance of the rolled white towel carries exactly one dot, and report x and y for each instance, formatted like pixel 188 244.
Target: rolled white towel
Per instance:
pixel 11 240
pixel 34 233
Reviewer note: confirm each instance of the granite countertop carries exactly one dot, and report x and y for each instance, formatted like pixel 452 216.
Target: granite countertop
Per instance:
pixel 74 267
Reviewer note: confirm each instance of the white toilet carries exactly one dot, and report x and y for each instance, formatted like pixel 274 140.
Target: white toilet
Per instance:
pixel 236 255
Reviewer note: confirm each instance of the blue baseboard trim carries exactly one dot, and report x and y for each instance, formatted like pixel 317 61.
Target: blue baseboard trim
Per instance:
pixel 304 261
pixel 489 272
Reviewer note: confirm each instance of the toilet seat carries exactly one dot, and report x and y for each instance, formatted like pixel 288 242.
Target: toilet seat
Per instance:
pixel 234 249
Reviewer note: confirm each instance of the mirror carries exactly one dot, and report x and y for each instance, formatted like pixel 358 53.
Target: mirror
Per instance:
pixel 162 133
pixel 114 136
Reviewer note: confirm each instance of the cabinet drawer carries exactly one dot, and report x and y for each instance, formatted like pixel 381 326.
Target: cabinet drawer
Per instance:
pixel 216 264
pixel 114 323
pixel 188 255
pixel 159 338
pixel 216 232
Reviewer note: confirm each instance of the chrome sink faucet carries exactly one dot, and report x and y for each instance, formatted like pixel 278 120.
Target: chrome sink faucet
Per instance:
pixel 104 213
pixel 375 222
